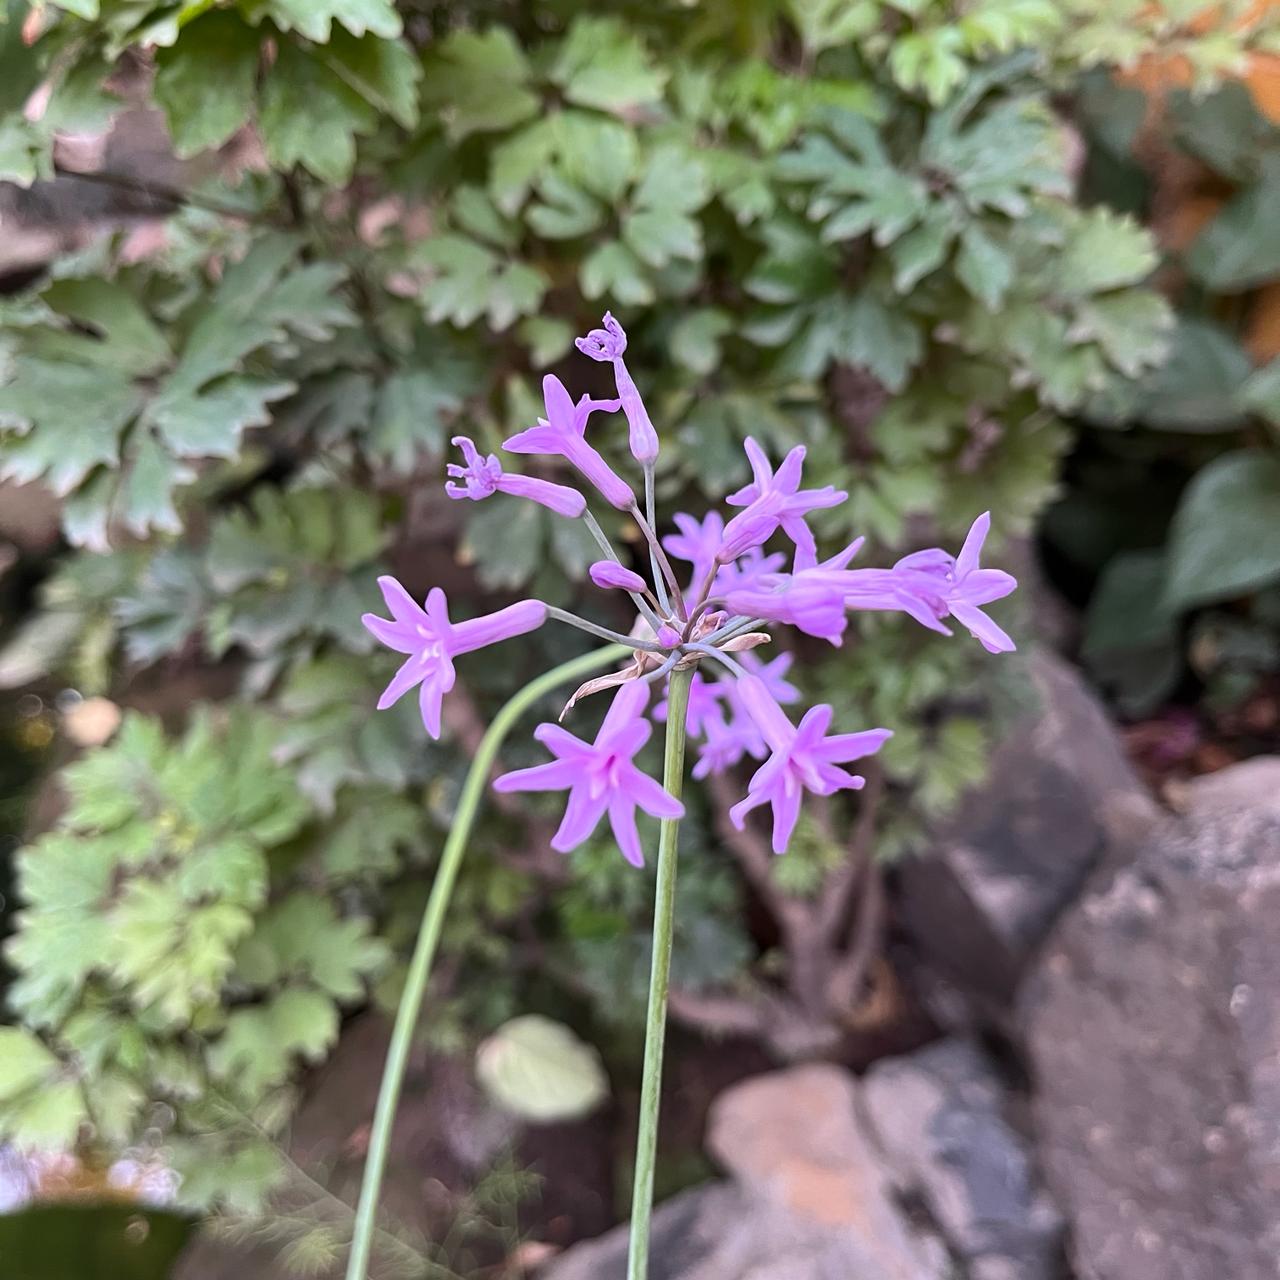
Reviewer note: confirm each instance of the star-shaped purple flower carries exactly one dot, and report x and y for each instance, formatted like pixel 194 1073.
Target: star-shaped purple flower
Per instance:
pixel 932 585
pixel 774 500
pixel 432 642
pixel 482 476
pixel 803 759
pixel 563 432
pixel 600 777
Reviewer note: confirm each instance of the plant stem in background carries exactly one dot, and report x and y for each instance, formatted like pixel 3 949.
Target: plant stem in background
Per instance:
pixel 429 935
pixel 664 910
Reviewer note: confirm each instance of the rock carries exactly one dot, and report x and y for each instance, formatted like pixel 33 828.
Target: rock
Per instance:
pixel 808 1199
pixel 938 1116
pixel 1022 845
pixel 1253 784
pixel 1153 1030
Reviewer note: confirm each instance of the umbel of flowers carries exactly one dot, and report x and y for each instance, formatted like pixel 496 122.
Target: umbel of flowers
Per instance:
pixel 708 619
pixel 693 638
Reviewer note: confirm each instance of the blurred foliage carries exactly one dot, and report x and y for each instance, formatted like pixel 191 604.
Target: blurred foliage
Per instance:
pixel 854 224
pixel 1171 515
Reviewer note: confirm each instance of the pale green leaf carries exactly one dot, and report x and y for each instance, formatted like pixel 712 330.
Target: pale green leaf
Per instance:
pixel 541 1071
pixel 315 18
pixel 603 64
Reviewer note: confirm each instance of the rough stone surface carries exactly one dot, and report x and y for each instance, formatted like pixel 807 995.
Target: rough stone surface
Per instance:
pixel 1252 784
pixel 938 1115
pixel 1022 845
pixel 1152 1023
pixel 809 1198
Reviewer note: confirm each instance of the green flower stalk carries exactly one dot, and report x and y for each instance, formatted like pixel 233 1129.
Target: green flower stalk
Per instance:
pixel 711 625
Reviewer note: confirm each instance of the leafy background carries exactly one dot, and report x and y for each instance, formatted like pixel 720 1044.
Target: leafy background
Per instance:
pixel 1009 254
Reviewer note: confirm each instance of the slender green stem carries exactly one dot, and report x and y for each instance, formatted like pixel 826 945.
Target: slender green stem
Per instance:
pixel 429 937
pixel 603 633
pixel 649 508
pixel 664 912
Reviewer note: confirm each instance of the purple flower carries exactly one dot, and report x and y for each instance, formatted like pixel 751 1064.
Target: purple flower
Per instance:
pixel 432 642
pixel 746 569
pixel 600 777
pixel 812 599
pixel 563 432
pixel 610 575
pixel 774 501
pixel 698 542
pixel 802 759
pixel 932 585
pixel 483 476
pixel 608 344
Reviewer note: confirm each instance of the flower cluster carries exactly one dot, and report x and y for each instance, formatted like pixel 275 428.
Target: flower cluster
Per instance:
pixel 710 622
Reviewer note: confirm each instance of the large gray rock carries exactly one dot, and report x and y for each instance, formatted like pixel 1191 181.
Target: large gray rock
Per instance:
pixel 809 1198
pixel 939 1116
pixel 1022 845
pixel 1153 1027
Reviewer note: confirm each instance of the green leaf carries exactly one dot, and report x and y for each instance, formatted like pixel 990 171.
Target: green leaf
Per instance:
pixel 1105 251
pixel 205 83
pixel 603 64
pixel 311 116
pixel 478 82
pixel 47 1119
pixel 1225 537
pixel 315 18
pixel 1261 393
pixel 695 340
pixel 879 338
pixel 921 251
pixel 505 539
pixel 24 1062
pixel 260 1044
pixel 541 1071
pixel 1132 327
pixel 1197 388
pixel 383 72
pixel 983 267
pixel 564 211
pixel 470 281
pixel 611 268
pixel 1240 248
pixel 1131 636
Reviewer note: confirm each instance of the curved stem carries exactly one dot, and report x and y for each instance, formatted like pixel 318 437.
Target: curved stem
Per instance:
pixel 720 656
pixel 429 937
pixel 664 910
pixel 604 633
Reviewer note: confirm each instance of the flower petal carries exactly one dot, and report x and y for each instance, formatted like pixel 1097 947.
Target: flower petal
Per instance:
pixel 967 560
pixel 556 775
pixel 395 635
pixel 649 794
pixel 582 814
pixel 411 671
pixel 404 608
pixel 982 586
pixel 982 628
pixel 622 818
pixel 786 811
